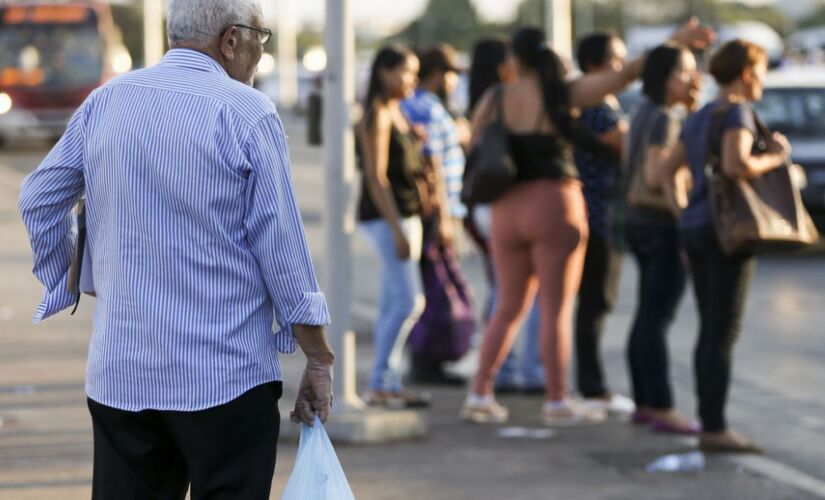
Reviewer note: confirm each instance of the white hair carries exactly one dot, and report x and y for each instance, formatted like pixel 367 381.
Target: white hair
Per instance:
pixel 201 20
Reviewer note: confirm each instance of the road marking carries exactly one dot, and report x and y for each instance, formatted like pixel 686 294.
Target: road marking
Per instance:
pixel 782 473
pixel 46 484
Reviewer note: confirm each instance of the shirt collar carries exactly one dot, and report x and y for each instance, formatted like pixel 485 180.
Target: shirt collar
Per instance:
pixel 421 92
pixel 189 58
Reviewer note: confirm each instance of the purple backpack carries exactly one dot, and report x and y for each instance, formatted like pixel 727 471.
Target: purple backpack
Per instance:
pixel 445 328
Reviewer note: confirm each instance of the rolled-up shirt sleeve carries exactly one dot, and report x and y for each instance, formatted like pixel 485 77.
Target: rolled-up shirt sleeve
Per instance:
pixel 46 199
pixel 276 234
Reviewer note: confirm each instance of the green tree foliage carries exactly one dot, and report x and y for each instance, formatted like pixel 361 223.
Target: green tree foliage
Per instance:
pixel 452 21
pixel 616 15
pixel 815 20
pixel 129 20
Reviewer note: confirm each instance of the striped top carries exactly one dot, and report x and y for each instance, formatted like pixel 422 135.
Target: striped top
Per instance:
pixel 426 109
pixel 195 236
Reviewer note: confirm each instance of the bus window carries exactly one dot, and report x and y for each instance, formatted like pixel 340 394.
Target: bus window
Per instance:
pixel 64 55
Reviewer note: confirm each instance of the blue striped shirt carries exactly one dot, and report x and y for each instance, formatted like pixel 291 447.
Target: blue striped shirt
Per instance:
pixel 194 233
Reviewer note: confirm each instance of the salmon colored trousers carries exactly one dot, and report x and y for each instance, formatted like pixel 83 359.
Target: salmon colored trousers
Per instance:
pixel 538 244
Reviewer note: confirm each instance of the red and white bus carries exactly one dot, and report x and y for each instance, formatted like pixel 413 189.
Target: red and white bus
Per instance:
pixel 52 55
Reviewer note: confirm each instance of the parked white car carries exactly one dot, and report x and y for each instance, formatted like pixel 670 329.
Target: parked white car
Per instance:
pixel 794 104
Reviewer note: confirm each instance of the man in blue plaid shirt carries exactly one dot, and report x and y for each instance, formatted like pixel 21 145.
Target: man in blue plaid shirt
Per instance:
pixel 443 150
pixel 445 134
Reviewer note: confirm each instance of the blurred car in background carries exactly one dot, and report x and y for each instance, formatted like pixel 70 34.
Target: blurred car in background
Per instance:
pixel 52 56
pixel 794 104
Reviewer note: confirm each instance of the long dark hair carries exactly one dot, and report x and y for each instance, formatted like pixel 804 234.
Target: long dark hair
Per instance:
pixel 659 65
pixel 488 55
pixel 388 57
pixel 531 49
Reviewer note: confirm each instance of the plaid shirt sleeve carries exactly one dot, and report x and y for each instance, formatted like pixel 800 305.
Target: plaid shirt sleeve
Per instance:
pixel 436 133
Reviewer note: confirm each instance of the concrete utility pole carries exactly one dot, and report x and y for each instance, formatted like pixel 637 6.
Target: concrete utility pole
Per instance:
pixel 287 54
pixel 559 25
pixel 350 421
pixel 153 41
pixel 339 158
pixel 585 17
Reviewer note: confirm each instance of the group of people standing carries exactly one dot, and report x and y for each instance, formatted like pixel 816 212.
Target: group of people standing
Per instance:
pixel 554 238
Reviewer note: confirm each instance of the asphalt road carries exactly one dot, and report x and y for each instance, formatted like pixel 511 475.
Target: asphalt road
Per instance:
pixel 777 394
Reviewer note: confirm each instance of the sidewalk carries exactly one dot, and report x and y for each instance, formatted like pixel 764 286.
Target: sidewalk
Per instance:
pixel 45 438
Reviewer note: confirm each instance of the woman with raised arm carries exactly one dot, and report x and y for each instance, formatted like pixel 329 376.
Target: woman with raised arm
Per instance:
pixel 493 65
pixel 539 229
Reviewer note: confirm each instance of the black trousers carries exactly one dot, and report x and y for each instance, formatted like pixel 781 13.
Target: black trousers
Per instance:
pixel 597 296
pixel 662 281
pixel 226 452
pixel 721 284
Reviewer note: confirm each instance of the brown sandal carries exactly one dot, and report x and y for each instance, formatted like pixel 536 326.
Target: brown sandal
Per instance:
pixel 728 442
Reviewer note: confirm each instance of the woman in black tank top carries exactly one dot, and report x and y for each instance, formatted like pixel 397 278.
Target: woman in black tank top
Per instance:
pixel 389 212
pixel 404 163
pixel 539 229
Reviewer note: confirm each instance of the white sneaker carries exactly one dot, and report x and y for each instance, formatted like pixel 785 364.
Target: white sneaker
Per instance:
pixel 571 412
pixel 617 405
pixel 483 410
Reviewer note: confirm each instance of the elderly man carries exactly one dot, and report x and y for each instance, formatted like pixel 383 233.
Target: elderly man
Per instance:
pixel 197 250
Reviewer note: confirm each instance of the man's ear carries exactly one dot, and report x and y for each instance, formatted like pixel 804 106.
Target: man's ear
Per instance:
pixel 229 42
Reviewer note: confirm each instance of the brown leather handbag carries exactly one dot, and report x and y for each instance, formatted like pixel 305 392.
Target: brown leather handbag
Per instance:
pixel 756 215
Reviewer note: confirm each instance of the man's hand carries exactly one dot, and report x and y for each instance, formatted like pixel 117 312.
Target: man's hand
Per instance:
pixel 694 35
pixel 446 233
pixel 780 145
pixel 314 394
pixel 419 131
pixel 402 246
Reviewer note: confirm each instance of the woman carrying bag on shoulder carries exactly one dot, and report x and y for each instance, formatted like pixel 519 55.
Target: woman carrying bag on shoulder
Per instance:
pixel 669 79
pixel 722 280
pixel 539 224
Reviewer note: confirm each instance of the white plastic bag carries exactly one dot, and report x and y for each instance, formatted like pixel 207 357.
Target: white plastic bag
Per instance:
pixel 317 474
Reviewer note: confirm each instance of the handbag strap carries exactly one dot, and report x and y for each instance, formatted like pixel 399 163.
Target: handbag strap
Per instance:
pixel 715 133
pixel 495 114
pixel 764 132
pixel 647 133
pixel 644 141
pixel 713 155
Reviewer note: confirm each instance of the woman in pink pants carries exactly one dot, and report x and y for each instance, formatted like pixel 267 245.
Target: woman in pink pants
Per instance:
pixel 539 233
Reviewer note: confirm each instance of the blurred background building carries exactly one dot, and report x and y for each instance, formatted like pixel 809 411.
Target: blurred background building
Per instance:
pixel 54 52
pixel 792 30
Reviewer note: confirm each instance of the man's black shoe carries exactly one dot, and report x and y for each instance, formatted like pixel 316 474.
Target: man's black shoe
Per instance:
pixel 431 376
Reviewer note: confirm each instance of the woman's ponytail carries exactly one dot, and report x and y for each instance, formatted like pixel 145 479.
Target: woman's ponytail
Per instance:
pixel 555 93
pixel 531 49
